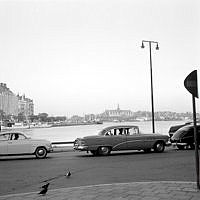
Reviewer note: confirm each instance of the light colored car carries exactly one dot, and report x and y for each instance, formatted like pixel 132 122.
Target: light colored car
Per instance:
pixel 115 138
pixel 17 143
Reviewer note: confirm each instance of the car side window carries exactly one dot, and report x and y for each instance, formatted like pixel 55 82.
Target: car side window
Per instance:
pixel 21 137
pixel 126 131
pixel 120 131
pixel 115 131
pixel 108 133
pixel 17 136
pixel 133 131
pixel 4 137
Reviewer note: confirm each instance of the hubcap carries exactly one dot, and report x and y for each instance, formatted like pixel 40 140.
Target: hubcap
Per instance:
pixel 159 147
pixel 104 149
pixel 41 152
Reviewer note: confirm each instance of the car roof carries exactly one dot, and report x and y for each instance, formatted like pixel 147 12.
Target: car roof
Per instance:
pixel 189 126
pixel 10 132
pixel 119 126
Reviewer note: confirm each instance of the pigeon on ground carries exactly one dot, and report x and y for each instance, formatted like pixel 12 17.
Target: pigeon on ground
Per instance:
pixel 68 174
pixel 44 189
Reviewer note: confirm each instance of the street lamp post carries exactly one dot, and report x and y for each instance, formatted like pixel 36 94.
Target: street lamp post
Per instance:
pixel 151 74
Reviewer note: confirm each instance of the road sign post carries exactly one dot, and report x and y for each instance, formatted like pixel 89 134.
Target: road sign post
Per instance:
pixel 191 85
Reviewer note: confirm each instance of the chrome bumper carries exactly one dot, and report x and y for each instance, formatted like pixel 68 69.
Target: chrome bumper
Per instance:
pixel 181 143
pixel 168 143
pixel 81 148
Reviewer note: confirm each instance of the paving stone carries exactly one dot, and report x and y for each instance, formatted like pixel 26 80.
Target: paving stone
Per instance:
pixel 136 191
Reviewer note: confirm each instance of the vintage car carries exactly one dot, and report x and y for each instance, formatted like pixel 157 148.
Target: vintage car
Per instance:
pixel 115 138
pixel 184 137
pixel 173 129
pixel 16 143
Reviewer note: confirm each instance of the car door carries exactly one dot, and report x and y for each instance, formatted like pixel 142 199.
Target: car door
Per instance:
pixel 20 145
pixel 4 143
pixel 117 138
pixel 135 140
pixel 188 137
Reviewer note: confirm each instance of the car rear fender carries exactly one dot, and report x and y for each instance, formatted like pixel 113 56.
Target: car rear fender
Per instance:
pixel 35 148
pixel 160 140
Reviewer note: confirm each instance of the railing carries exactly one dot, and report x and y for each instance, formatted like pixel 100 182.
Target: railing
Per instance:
pixel 62 146
pixel 57 143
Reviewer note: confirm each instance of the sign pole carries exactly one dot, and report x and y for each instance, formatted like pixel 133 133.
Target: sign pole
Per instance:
pixel 191 85
pixel 196 142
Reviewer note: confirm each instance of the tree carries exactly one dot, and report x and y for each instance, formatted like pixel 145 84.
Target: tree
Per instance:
pixel 43 117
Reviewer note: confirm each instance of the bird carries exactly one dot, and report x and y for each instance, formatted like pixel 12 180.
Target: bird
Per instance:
pixel 68 174
pixel 44 189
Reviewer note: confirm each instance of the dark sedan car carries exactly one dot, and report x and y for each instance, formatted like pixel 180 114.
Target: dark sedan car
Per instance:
pixel 115 138
pixel 184 137
pixel 173 129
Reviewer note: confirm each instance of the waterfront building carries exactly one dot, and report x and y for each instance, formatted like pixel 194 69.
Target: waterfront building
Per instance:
pixel 25 106
pixel 118 113
pixel 8 100
pixel 12 104
pixel 90 117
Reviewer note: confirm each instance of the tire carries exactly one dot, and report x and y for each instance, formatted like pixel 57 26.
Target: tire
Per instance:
pixel 180 147
pixel 104 151
pixel 41 152
pixel 159 147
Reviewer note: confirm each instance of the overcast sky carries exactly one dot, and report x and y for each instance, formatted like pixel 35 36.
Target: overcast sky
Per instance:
pixel 84 56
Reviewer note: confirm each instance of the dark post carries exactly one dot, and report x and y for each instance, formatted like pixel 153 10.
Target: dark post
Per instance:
pixel 191 85
pixel 152 101
pixel 151 74
pixel 196 142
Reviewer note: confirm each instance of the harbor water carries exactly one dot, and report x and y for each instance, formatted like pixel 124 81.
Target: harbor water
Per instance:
pixel 70 133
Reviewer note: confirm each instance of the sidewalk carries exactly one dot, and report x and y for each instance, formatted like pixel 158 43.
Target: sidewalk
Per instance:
pixel 164 190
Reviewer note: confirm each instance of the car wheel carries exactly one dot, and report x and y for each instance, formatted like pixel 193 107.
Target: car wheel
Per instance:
pixel 159 147
pixel 181 147
pixel 41 152
pixel 104 151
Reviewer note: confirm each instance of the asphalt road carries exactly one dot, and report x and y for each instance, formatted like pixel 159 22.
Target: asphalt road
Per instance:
pixel 27 174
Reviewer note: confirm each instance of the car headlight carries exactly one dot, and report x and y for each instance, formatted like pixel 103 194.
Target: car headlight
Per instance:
pixel 79 143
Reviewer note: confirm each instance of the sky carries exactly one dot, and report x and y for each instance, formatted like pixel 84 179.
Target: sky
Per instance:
pixel 76 57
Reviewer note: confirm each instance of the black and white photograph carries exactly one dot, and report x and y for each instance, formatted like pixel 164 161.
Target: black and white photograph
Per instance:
pixel 99 99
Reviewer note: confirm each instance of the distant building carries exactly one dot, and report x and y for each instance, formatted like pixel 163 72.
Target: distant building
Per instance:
pixel 8 100
pixel 25 105
pixel 12 104
pixel 118 113
pixel 90 117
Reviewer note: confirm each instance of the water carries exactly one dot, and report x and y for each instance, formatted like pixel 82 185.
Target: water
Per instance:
pixel 70 133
